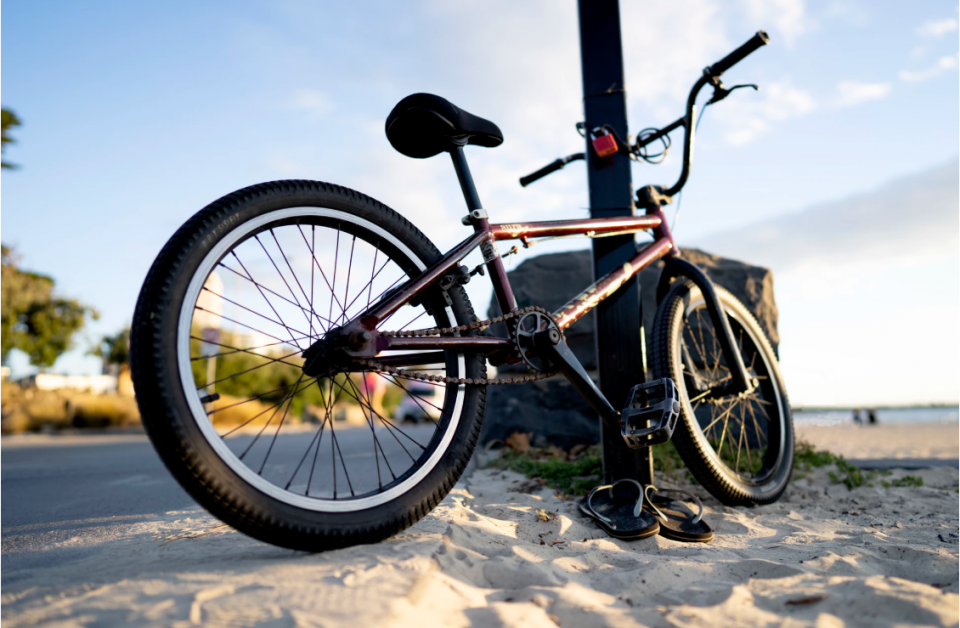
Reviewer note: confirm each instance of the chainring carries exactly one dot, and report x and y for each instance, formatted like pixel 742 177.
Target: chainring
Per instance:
pixel 527 327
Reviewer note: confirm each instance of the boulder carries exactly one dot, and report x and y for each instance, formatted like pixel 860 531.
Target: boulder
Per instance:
pixel 552 410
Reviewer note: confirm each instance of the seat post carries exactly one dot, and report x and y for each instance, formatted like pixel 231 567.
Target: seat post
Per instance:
pixel 466 179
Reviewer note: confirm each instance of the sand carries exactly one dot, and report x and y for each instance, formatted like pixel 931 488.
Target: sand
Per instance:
pixel 823 556
pixel 895 440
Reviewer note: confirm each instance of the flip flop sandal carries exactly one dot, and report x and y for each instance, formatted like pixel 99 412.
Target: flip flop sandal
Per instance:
pixel 677 520
pixel 618 510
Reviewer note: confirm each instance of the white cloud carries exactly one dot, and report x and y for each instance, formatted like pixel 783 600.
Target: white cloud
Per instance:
pixel 937 28
pixel 943 64
pixel 786 18
pixel 854 273
pixel 747 118
pixel 851 93
pixel 869 226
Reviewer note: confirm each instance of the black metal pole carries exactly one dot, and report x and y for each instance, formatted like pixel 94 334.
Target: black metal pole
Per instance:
pixel 618 318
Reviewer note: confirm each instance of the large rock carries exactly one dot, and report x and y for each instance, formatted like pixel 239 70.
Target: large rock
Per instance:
pixel 552 410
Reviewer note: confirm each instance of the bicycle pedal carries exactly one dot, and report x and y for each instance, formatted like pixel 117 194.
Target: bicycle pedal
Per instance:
pixel 651 414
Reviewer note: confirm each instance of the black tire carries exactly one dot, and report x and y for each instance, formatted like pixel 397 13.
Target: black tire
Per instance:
pixel 176 428
pixel 760 423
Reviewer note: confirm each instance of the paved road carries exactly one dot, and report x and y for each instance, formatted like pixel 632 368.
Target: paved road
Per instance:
pixel 58 488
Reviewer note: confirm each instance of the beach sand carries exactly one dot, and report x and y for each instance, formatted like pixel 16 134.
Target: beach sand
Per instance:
pixel 823 556
pixel 894 440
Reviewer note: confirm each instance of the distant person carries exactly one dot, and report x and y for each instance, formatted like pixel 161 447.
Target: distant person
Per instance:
pixel 856 416
pixel 872 416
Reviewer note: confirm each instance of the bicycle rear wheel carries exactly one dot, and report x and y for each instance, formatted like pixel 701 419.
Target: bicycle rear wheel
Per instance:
pixel 229 306
pixel 739 447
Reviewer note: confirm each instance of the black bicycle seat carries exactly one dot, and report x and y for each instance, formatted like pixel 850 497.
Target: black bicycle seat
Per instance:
pixel 423 125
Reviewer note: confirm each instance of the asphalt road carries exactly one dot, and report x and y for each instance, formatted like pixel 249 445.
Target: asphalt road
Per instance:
pixel 57 489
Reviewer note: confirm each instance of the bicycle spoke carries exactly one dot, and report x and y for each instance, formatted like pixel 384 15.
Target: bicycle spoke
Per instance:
pixel 276 294
pixel 390 426
pixel 376 441
pixel 739 441
pixel 328 409
pixel 235 322
pixel 373 275
pixel 259 366
pixel 346 289
pixel 333 288
pixel 250 350
pixel 282 419
pixel 343 463
pixel 313 256
pixel 313 236
pixel 413 395
pixel 286 398
pixel 240 403
pixel 250 276
pixel 306 453
pixel 258 415
pixel 295 278
pixel 255 313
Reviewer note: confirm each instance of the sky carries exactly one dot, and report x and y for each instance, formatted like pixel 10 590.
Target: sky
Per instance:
pixel 137 115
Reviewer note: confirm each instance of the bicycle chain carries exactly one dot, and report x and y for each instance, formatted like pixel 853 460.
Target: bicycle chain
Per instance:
pixel 437 331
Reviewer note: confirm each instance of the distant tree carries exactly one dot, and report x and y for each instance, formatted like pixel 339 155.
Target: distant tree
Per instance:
pixel 34 319
pixel 8 120
pixel 114 349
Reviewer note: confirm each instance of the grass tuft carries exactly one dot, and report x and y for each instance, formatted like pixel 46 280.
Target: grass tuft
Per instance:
pixel 575 472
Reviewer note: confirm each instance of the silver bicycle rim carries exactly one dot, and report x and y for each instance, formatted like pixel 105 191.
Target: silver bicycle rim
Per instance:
pixel 200 417
pixel 775 382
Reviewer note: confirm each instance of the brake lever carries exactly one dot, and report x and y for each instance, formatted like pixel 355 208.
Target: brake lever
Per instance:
pixel 720 92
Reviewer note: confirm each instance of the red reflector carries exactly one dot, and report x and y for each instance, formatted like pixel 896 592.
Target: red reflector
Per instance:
pixel 604 145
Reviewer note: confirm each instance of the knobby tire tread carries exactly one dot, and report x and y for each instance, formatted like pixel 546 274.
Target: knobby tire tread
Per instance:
pixel 693 452
pixel 175 446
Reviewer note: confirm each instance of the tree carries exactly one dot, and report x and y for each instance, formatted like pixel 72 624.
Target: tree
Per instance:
pixel 114 349
pixel 8 120
pixel 34 319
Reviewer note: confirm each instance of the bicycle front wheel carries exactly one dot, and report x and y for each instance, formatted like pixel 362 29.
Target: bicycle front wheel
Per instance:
pixel 739 447
pixel 229 306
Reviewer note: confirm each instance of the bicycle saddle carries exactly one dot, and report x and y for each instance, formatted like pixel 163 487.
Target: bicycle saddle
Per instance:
pixel 423 125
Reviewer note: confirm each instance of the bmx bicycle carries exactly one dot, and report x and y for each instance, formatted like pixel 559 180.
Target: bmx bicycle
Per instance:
pixel 279 303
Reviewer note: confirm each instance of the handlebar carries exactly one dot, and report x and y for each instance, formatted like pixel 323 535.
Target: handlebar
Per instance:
pixel 552 167
pixel 753 44
pixel 711 76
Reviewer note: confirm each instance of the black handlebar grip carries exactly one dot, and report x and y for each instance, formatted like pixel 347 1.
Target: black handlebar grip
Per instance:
pixel 542 172
pixel 757 41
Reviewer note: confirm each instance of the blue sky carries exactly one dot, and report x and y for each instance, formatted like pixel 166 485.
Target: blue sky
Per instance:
pixel 136 115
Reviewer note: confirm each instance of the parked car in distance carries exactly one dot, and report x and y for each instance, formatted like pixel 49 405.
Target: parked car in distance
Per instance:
pixel 424 403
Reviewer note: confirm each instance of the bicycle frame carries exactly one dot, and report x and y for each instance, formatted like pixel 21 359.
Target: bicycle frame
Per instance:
pixel 364 340
pixel 485 236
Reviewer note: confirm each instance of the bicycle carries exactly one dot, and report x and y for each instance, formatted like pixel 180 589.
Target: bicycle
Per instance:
pixel 294 305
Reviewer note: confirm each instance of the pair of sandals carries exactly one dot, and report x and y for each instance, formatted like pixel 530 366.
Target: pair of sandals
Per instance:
pixel 630 511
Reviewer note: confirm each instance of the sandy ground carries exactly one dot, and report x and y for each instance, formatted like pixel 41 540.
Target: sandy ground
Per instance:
pixel 823 556
pixel 886 441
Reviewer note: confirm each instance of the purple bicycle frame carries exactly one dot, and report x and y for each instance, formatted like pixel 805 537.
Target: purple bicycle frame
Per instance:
pixel 485 235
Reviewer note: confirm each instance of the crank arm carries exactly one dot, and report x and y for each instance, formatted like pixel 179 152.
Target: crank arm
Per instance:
pixel 553 347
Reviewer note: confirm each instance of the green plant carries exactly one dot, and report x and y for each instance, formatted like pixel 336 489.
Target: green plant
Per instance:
pixel 567 474
pixel 911 481
pixel 807 456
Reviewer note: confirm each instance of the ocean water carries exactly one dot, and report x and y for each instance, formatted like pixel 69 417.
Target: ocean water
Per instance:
pixel 884 415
